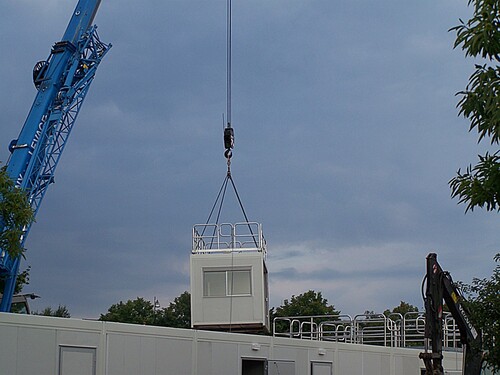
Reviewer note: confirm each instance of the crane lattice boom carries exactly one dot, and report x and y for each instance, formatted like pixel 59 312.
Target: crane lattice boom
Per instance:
pixel 62 82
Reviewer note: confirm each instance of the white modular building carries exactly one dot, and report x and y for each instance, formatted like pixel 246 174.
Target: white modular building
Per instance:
pixel 229 278
pixel 229 305
pixel 56 346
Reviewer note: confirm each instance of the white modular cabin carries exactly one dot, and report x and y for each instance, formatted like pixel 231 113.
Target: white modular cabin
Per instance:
pixel 56 346
pixel 229 278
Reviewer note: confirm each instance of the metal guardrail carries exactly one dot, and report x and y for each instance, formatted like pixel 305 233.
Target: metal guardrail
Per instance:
pixel 394 330
pixel 217 238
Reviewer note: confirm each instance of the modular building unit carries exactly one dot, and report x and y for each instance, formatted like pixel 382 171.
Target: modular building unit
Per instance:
pixel 228 291
pixel 56 346
pixel 229 279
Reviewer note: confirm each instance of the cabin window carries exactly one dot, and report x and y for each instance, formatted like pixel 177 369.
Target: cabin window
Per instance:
pixel 239 283
pixel 214 283
pixel 227 283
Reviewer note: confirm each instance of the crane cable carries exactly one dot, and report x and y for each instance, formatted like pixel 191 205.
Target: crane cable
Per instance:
pixel 228 153
pixel 229 142
pixel 228 131
pixel 219 201
pixel 228 138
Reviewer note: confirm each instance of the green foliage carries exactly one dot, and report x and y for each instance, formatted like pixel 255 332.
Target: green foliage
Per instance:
pixel 402 309
pixel 310 303
pixel 479 37
pixel 61 312
pixel 306 304
pixel 15 214
pixel 483 301
pixel 479 186
pixel 141 311
pixel 479 102
pixel 23 278
pixel 178 313
pixel 138 311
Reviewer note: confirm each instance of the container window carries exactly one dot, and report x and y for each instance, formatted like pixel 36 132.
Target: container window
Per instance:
pixel 227 283
pixel 214 283
pixel 239 283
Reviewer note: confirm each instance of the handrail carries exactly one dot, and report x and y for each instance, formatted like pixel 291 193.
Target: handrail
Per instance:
pixel 225 237
pixel 394 330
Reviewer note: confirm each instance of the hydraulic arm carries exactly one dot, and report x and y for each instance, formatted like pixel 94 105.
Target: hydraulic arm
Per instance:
pixel 440 287
pixel 62 82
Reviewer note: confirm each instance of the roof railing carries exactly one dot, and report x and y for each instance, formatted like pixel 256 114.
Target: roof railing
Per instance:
pixel 225 237
pixel 394 330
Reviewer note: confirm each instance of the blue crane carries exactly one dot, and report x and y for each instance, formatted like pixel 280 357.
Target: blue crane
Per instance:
pixel 62 82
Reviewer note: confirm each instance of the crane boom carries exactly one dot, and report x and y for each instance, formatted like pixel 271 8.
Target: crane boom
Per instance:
pixel 440 287
pixel 62 82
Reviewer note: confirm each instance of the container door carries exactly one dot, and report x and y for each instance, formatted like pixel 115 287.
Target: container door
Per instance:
pixel 253 366
pixel 281 367
pixel 74 360
pixel 321 368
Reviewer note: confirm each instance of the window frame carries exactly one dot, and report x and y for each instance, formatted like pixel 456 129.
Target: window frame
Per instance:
pixel 228 282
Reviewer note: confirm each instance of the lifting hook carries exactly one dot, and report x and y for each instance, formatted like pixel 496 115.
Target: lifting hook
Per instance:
pixel 228 141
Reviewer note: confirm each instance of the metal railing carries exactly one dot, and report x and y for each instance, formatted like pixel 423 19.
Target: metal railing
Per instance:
pixel 394 330
pixel 213 238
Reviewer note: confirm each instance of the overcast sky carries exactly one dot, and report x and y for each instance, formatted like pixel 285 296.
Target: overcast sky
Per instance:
pixel 346 137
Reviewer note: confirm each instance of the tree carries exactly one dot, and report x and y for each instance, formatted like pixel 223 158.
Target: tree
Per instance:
pixel 138 311
pixel 15 214
pixel 310 303
pixel 479 37
pixel 306 304
pixel 479 185
pixel 178 313
pixel 61 312
pixel 402 309
pixel 141 311
pixel 483 300
pixel 23 278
